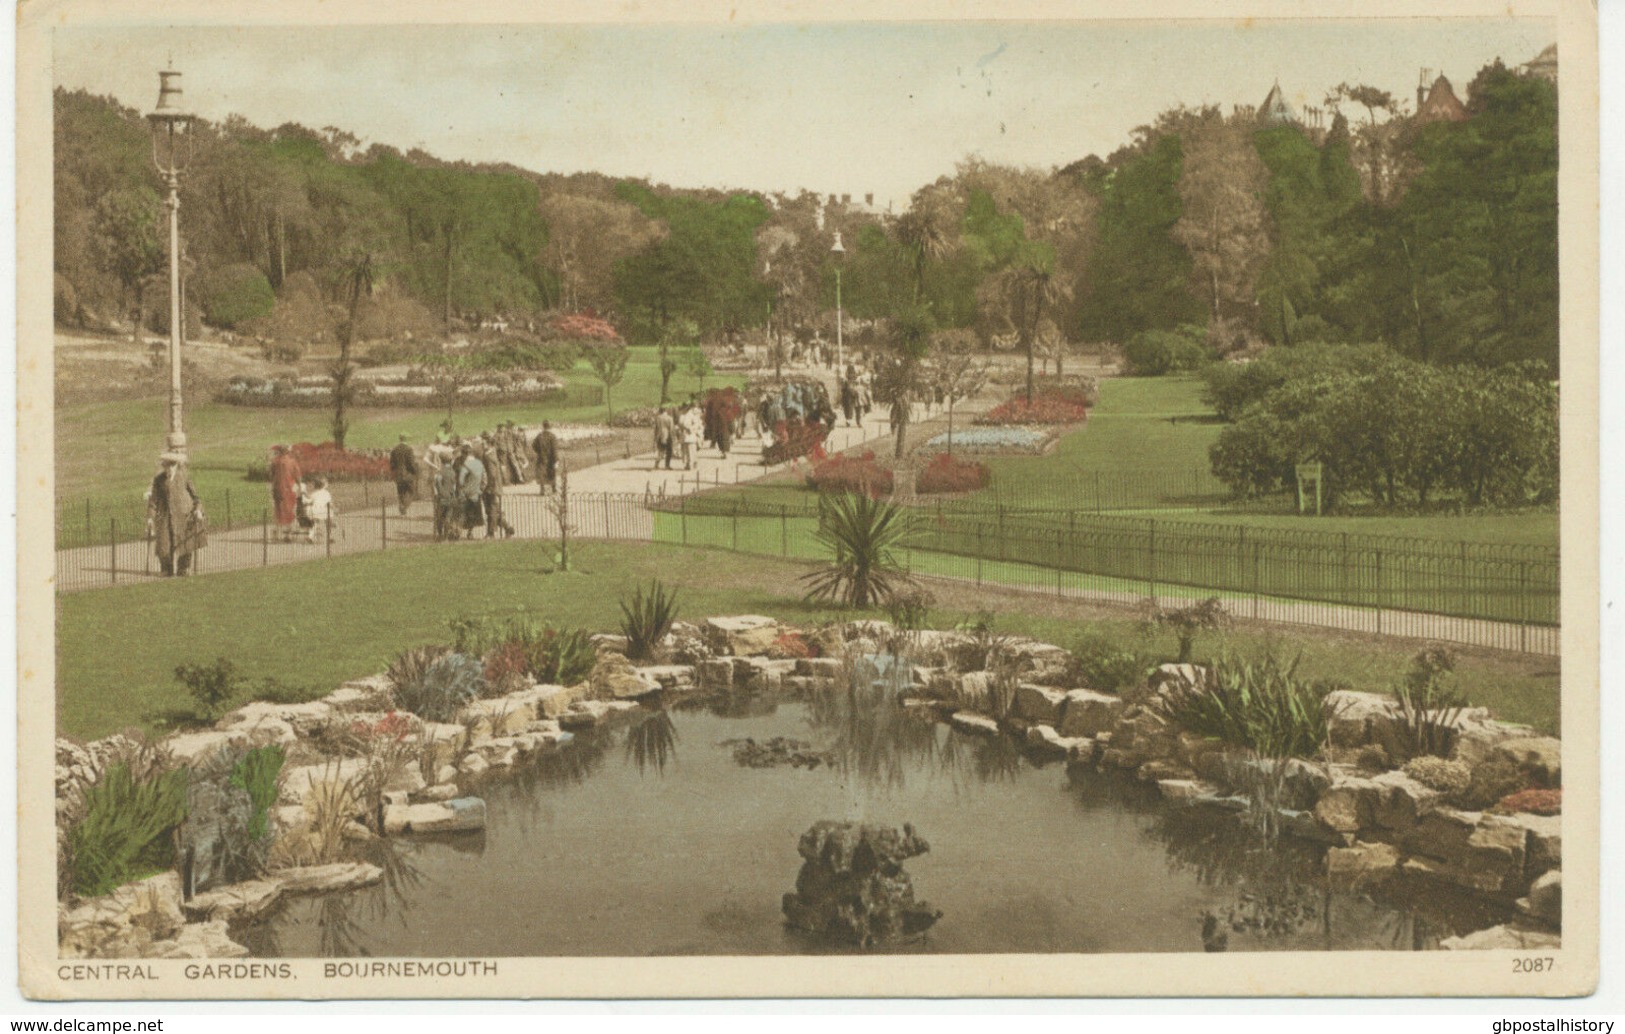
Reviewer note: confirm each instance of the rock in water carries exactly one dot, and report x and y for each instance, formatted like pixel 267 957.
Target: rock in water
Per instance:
pixel 852 886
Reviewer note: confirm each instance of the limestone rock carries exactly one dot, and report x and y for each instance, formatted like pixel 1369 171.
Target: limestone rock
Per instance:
pixel 716 673
pixel 1538 757
pixel 744 635
pixel 437 792
pixel 300 782
pixel 819 667
pixel 1362 859
pixel 473 766
pixel 208 940
pixel 235 902
pixel 1401 801
pixel 1184 791
pixel 459 815
pixel 1545 900
pixel 670 677
pixel 445 742
pixel 584 714
pixel 123 923
pixel 1156 771
pixel 445 774
pixel 193 748
pixel 498 716
pixel 550 701
pixel 1501 938
pixel 970 721
pixel 1477 738
pixel 1349 805
pixel 323 879
pixel 852 887
pixel 1037 703
pixel 1356 719
pixel 305 718
pixel 1544 848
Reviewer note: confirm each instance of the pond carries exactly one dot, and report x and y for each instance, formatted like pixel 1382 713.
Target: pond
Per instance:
pixel 652 839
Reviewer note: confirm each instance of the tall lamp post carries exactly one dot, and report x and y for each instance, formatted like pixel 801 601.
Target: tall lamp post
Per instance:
pixel 840 353
pixel 171 152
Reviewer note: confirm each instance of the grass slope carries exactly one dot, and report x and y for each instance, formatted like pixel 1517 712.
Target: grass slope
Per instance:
pixel 320 623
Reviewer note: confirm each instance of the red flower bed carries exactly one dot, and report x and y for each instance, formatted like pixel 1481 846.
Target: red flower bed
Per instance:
pixel 949 473
pixel 1051 406
pixel 583 326
pixel 1532 802
pixel 329 461
pixel 392 726
pixel 793 439
pixel 851 474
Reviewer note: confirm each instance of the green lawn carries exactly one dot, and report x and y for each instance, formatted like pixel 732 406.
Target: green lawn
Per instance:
pixel 320 623
pixel 106 451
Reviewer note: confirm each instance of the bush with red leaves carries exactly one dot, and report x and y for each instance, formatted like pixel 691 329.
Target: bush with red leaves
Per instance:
pixel 582 326
pixel 1532 802
pixel 860 474
pixel 948 473
pixel 791 646
pixel 329 461
pixel 793 439
pixel 1061 405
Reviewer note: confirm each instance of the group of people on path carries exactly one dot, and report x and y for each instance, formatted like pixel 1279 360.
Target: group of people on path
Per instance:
pixel 300 505
pixel 677 431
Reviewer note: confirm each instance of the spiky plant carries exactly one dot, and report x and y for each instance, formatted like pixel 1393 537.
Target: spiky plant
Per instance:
pixel 862 535
pixel 647 618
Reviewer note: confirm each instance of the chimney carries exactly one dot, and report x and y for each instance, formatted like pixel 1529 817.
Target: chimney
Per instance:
pixel 1421 89
pixel 869 199
pixel 846 199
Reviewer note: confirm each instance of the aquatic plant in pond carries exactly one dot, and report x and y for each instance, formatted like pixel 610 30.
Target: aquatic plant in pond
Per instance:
pixel 993 438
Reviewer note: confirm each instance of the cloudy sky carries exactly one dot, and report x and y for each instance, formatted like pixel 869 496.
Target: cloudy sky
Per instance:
pixel 852 107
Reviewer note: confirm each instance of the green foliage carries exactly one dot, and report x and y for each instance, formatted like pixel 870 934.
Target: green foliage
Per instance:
pixel 235 294
pixel 647 618
pixel 212 686
pixel 1188 622
pixel 443 688
pixel 124 834
pixel 1105 665
pixel 258 774
pixel 861 535
pixel 1430 703
pixel 523 647
pixel 1152 353
pixel 703 269
pixel 1259 704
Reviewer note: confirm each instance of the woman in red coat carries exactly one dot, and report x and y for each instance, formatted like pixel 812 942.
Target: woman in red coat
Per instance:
pixel 285 478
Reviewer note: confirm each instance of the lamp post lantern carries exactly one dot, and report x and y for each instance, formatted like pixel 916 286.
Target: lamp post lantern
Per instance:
pixel 171 152
pixel 840 354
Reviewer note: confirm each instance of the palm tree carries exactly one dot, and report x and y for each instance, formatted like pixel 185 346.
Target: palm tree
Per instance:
pixel 861 533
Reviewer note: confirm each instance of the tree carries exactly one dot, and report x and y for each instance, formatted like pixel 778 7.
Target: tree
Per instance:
pixel 698 365
pixel 671 337
pixel 129 244
pixel 235 294
pixel 862 535
pixel 608 364
pixel 899 380
pixel 360 281
pixel 1222 222
pixel 955 372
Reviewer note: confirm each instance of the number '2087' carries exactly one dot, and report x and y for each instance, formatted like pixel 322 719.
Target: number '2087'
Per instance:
pixel 1535 965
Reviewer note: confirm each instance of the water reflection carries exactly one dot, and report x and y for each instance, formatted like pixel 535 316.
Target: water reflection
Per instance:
pixel 652 742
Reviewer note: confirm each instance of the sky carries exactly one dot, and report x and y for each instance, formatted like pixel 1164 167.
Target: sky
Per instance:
pixel 836 108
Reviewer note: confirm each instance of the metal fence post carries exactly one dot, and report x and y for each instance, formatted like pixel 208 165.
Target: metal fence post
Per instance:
pixel 265 538
pixel 607 522
pixel 1058 555
pixel 978 554
pixel 1151 558
pixel 784 529
pixel 88 534
pixel 228 509
pixel 682 516
pixel 1377 553
pixel 328 525
pixel 112 548
pixel 736 525
pixel 1523 605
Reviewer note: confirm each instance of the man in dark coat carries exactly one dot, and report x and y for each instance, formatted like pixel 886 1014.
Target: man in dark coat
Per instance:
pixel 546 449
pixel 175 514
pixel 403 467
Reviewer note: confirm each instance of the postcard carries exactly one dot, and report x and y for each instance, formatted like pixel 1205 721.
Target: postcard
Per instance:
pixel 791 500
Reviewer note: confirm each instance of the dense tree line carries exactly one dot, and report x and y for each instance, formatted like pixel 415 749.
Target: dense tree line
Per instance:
pixel 1436 239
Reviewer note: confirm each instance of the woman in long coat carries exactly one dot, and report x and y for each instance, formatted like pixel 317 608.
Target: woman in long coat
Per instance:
pixel 176 515
pixel 285 478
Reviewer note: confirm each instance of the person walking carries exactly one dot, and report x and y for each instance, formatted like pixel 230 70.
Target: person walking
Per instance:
pixel 665 437
pixel 175 516
pixel 470 489
pixel 690 428
pixel 496 475
pixel 546 450
pixel 447 501
pixel 285 479
pixel 403 467
pixel 320 509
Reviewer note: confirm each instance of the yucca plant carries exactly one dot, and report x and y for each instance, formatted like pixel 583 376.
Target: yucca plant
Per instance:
pixel 409 665
pixel 443 688
pixel 647 619
pixel 862 535
pixel 1430 703
pixel 124 834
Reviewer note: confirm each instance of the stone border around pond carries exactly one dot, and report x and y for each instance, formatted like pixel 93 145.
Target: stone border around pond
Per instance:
pixel 1372 825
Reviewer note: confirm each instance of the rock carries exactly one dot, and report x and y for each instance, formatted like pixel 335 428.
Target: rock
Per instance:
pixel 125 922
pixel 608 642
pixel 745 635
pixel 585 714
pixel 1143 736
pixel 819 667
pixel 397 798
pixel 1401 801
pixel 1538 757
pixel 407 780
pixel 716 673
pixel 193 748
pixel 1471 849
pixel 305 718
pixel 235 902
pixel 550 701
pixel 1442 834
pixel 1039 662
pixel 671 677
pixel 1184 791
pixel 852 887
pixel 498 717
pixel 1361 860
pixel 289 817
pixel 1045 740
pixel 1544 848
pixel 1301 782
pixel 1477 738
pixel 323 879
pixel 1166 678
pixel 368 694
pixel 1501 938
pixel 1497 849
pixel 473 766
pixel 1545 900
pixel 970 721
pixel 1158 770
pixel 459 815
pixel 438 792
pixel 210 940
pixel 1355 719
pixel 298 783
pixel 445 774
pixel 1349 805
pixel 445 742
pixel 1037 703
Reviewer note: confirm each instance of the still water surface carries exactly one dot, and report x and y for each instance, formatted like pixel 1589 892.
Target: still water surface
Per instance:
pixel 651 840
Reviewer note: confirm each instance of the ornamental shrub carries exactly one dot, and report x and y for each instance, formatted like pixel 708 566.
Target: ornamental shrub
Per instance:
pixel 235 294
pixel 949 473
pixel 1152 353
pixel 443 688
pixel 861 473
pixel 1051 406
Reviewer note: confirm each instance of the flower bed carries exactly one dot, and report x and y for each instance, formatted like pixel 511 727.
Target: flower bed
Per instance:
pixel 417 389
pixel 994 439
pixel 860 473
pixel 1063 404
pixel 329 461
pixel 949 473
pixel 793 439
